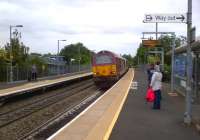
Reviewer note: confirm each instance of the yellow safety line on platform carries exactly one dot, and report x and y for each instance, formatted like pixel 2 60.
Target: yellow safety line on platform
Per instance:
pixel 107 135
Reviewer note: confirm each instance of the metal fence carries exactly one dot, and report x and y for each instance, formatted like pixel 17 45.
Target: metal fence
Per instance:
pixel 4 73
pixel 180 84
pixel 24 73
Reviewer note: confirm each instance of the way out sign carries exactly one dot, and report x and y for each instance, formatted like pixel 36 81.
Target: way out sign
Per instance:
pixel 165 18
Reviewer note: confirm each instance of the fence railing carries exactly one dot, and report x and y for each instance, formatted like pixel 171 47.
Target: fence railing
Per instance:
pixel 24 73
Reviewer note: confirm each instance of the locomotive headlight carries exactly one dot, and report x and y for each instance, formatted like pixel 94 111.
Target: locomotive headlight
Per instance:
pixel 113 68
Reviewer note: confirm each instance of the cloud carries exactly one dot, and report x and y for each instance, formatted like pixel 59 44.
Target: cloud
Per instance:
pixel 100 24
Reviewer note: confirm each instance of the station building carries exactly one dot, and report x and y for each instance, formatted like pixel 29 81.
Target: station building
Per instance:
pixel 56 65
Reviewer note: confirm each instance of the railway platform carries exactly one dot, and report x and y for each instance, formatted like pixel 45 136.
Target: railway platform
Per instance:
pixel 139 121
pixel 97 121
pixel 18 89
pixel 122 114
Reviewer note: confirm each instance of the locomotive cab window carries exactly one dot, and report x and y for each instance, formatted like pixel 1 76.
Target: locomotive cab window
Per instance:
pixel 103 59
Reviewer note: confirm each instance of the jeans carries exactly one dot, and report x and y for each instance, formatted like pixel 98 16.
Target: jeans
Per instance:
pixel 156 103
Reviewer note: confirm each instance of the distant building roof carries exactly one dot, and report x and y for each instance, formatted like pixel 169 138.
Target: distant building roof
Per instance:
pixel 55 60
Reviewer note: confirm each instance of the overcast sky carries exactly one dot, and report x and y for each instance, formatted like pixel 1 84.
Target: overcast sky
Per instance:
pixel 114 25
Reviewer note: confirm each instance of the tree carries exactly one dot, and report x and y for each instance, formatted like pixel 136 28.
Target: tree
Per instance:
pixel 3 58
pixel 19 52
pixel 72 52
pixel 47 55
pixel 141 55
pixel 3 68
pixel 129 59
pixel 38 61
pixel 166 44
pixel 35 54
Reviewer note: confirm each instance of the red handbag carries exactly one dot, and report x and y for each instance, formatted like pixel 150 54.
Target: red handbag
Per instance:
pixel 150 96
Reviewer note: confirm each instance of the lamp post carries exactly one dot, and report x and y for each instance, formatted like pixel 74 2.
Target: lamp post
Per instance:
pixel 59 46
pixel 11 55
pixel 58 54
pixel 79 60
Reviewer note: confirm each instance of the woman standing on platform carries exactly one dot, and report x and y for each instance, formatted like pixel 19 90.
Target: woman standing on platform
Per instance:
pixel 156 84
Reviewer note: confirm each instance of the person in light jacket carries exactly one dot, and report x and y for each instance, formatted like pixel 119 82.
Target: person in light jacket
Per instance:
pixel 156 85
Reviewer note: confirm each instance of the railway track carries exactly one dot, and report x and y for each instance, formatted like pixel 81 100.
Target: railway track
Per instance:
pixel 21 102
pixel 16 114
pixel 59 105
pixel 45 128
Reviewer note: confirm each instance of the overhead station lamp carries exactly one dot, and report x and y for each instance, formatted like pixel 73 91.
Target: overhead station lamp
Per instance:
pixel 59 45
pixel 58 69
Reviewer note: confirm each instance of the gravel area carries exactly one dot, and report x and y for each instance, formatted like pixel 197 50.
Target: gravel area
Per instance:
pixel 21 127
pixel 24 100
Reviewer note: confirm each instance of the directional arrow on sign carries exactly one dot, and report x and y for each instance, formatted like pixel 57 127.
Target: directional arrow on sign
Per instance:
pixel 182 18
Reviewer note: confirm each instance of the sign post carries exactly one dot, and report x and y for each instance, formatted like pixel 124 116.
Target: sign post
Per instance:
pixel 188 111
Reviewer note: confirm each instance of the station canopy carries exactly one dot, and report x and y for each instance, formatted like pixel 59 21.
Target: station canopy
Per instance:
pixel 182 49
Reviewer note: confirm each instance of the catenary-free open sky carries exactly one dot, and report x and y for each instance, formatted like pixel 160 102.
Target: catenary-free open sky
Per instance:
pixel 114 25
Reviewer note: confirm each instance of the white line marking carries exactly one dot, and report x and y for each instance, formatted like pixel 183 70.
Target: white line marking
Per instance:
pixel 134 85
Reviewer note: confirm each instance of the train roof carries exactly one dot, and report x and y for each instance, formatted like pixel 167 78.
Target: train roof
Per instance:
pixel 109 52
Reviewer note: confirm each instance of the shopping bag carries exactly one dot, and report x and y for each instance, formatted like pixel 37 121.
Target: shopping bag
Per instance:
pixel 150 96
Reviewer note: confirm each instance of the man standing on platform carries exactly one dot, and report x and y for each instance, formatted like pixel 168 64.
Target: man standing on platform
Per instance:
pixel 34 72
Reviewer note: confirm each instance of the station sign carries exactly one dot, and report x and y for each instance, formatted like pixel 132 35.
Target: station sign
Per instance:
pixel 165 18
pixel 150 43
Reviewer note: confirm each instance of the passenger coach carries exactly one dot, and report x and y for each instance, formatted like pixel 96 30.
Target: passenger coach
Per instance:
pixel 107 67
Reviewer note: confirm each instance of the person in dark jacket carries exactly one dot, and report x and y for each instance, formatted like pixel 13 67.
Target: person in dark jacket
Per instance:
pixel 34 72
pixel 150 72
